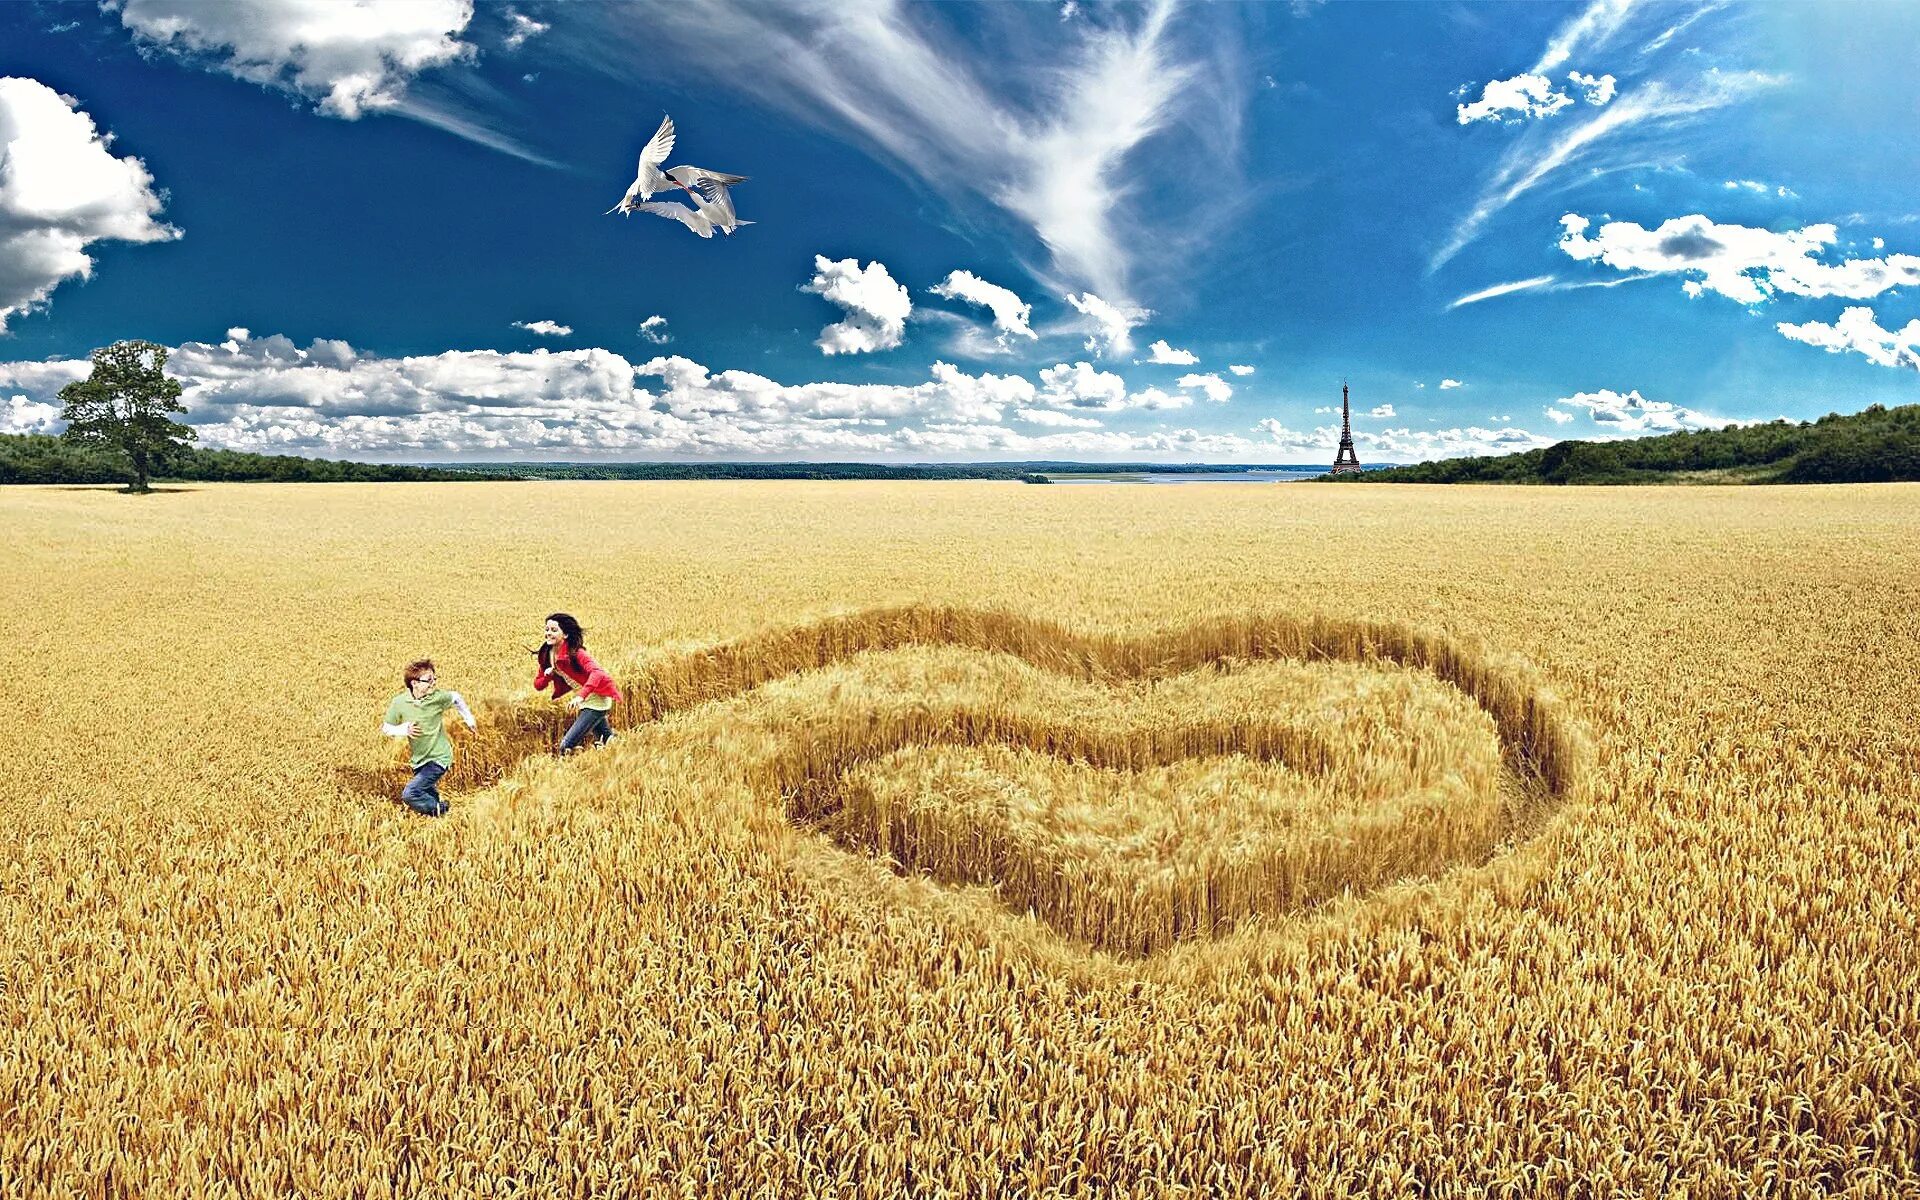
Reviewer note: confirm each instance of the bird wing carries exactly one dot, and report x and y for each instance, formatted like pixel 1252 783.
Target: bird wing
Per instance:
pixel 698 222
pixel 707 182
pixel 658 147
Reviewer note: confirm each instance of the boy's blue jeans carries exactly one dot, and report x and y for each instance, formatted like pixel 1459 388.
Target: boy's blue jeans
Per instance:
pixel 589 721
pixel 422 793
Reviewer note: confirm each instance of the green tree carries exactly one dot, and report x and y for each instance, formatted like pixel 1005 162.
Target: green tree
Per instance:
pixel 123 406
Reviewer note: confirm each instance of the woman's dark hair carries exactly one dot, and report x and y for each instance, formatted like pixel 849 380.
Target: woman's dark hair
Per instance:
pixel 570 629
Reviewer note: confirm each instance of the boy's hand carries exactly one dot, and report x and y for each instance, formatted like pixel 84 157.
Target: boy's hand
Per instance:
pixel 413 729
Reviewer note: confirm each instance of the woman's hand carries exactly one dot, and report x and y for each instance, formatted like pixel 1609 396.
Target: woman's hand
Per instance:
pixel 573 701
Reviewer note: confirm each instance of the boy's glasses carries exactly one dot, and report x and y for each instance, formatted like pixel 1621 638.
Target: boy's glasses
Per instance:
pixel 426 679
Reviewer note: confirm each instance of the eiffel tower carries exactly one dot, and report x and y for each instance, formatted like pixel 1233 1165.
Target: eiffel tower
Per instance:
pixel 1346 462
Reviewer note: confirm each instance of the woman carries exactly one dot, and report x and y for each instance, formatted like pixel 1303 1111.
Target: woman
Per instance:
pixel 565 664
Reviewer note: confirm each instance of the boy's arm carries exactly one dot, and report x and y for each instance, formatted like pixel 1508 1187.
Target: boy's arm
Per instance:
pixel 391 724
pixel 459 703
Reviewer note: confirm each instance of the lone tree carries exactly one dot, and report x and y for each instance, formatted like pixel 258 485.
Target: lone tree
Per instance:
pixel 123 406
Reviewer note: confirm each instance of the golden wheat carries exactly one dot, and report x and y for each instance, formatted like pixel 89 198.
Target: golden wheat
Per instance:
pixel 967 840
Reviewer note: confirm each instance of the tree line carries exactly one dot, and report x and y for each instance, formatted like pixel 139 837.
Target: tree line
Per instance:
pixel 1875 445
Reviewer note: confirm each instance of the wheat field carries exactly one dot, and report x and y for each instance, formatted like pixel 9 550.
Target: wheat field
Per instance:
pixel 966 839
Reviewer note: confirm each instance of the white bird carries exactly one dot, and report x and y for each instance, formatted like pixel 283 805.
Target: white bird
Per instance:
pixel 650 178
pixel 711 184
pixel 703 219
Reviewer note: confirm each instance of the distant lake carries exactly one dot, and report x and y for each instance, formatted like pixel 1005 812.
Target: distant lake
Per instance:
pixel 1277 475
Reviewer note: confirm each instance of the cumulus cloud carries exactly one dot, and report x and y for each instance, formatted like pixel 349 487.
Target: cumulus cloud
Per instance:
pixel 1533 161
pixel 1557 416
pixel 1054 417
pixel 654 329
pixel 1400 445
pixel 1594 90
pixel 1161 352
pixel 1517 99
pixel 1383 411
pixel 877 308
pixel 1111 326
pixel 1011 314
pixel 1634 414
pixel 61 190
pixel 1446 384
pixel 521 27
pixel 544 328
pixel 1240 369
pixel 1209 385
pixel 1744 264
pixel 21 415
pixel 1081 385
pixel 1858 331
pixel 350 58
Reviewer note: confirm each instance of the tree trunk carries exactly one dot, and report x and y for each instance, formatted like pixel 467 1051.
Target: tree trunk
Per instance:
pixel 139 473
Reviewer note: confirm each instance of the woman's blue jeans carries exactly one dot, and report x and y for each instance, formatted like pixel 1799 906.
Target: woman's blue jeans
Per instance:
pixel 422 793
pixel 589 722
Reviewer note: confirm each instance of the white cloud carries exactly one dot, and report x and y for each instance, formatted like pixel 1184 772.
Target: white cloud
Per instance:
pixel 1534 160
pixel 1558 416
pixel 522 28
pixel 1501 289
pixel 1054 417
pixel 1324 409
pixel 1081 385
pixel 1523 97
pixel 1111 325
pixel 1594 90
pixel 1048 131
pixel 877 308
pixel 1758 188
pixel 351 58
pixel 21 415
pixel 1595 26
pixel 1401 445
pixel 1634 414
pixel 61 190
pixel 1161 352
pixel 544 328
pixel 1446 384
pixel 654 329
pixel 1011 314
pixel 1239 369
pixel 1741 263
pixel 1382 411
pixel 1858 331
pixel 1209 385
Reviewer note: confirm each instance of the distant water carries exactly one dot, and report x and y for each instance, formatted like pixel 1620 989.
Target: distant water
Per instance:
pixel 1277 475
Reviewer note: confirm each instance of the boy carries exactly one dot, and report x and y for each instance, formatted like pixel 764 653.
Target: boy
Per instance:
pixel 417 715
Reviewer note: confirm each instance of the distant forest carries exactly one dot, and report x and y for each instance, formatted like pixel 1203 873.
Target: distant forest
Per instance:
pixel 39 458
pixel 1875 445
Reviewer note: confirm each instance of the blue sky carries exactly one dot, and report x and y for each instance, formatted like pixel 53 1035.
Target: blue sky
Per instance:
pixel 983 231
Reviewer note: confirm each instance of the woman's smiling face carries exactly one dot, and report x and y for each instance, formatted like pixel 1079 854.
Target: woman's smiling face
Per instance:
pixel 554 635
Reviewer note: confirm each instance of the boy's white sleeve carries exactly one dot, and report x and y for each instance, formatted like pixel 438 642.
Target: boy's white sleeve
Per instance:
pixel 466 714
pixel 399 730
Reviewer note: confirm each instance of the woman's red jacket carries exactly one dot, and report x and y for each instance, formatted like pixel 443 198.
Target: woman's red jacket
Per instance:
pixel 575 668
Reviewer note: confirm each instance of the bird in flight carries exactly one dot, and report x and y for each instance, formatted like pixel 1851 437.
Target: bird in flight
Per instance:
pixel 650 178
pixel 705 217
pixel 712 201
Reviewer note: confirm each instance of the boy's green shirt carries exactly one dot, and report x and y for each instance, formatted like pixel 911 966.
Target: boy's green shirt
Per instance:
pixel 431 743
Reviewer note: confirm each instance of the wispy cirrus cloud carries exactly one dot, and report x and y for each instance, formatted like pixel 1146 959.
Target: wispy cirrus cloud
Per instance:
pixel 1049 136
pixel 1536 159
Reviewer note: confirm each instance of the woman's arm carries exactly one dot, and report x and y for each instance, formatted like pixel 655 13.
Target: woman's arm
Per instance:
pixel 594 676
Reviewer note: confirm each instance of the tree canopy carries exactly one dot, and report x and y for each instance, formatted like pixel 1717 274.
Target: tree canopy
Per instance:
pixel 123 406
